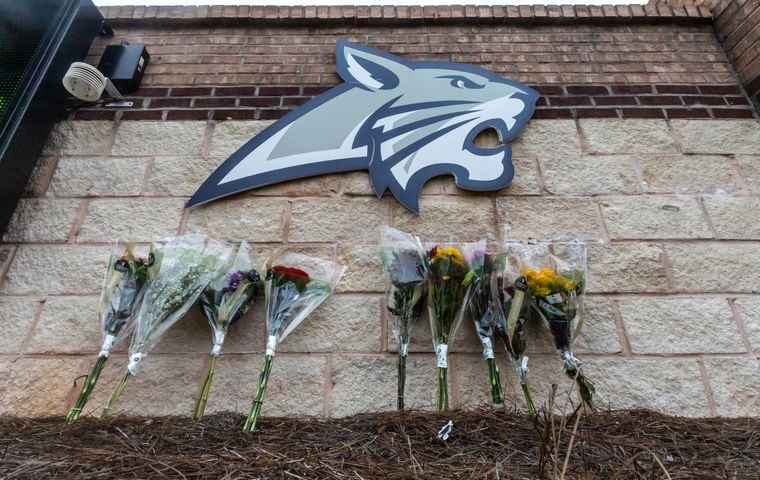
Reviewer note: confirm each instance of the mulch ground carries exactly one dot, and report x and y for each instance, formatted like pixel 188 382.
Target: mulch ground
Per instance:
pixel 635 444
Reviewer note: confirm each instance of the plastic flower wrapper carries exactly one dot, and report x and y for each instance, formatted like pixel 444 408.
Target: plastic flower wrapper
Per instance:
pixel 186 265
pixel 449 278
pixel 514 303
pixel 223 302
pixel 294 286
pixel 482 302
pixel 405 274
pixel 126 278
pixel 558 301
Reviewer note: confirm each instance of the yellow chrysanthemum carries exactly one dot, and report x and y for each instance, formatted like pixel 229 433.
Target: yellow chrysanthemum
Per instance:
pixel 449 252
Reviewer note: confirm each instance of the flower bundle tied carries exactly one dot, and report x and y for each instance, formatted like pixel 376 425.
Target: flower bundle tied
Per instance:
pixel 126 278
pixel 291 294
pixel 223 302
pixel 186 265
pixel 558 301
pixel 483 307
pixel 405 274
pixel 514 304
pixel 449 278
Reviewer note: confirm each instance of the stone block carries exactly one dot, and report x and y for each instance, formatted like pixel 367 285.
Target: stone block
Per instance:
pixel 38 182
pixel 135 220
pixel 56 270
pixel 654 217
pixel 368 383
pixel 749 311
pixel 689 174
pixel 228 137
pixel 240 218
pixel 715 267
pixel 141 138
pixel 606 135
pixel 750 171
pixel 330 220
pixel 734 385
pixel 449 218
pixel 342 323
pixel 668 385
pixel 680 325
pixel 547 138
pixel 730 216
pixel 549 218
pixel 179 177
pixel 718 136
pixel 165 385
pixel 18 316
pixel 296 386
pixel 41 220
pixel 73 137
pixel 99 177
pixel 364 272
pixel 626 267
pixel 37 387
pixel 589 175
pixel 68 325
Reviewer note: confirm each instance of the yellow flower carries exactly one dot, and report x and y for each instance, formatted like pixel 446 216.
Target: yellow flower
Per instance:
pixel 445 277
pixel 449 252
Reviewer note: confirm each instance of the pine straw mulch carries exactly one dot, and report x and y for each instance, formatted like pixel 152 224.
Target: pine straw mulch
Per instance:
pixel 634 444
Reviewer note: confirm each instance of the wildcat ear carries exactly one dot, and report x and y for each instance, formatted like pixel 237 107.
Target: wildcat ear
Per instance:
pixel 372 69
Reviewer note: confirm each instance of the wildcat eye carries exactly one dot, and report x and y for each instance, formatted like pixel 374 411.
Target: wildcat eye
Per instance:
pixel 462 82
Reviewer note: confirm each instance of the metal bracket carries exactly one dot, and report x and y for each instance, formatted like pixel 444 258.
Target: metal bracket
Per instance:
pixel 120 104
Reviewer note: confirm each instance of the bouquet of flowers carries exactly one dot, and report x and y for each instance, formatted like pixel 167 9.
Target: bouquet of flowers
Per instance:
pixel 291 294
pixel 483 305
pixel 186 264
pixel 405 273
pixel 126 278
pixel 515 307
pixel 223 302
pixel 449 279
pixel 557 300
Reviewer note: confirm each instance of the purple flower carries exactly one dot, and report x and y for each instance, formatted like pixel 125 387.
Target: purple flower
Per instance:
pixel 234 279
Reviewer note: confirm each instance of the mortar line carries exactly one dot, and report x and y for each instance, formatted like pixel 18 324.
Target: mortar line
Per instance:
pixel 286 221
pixel 78 223
pixel 708 220
pixel 327 398
pixel 47 179
pixel 739 320
pixel 602 224
pixel 707 387
pixel 668 268
pixel 207 136
pixel 182 228
pixel 617 316
pixel 32 327
pixel 674 136
pixel 6 266
pixel 146 177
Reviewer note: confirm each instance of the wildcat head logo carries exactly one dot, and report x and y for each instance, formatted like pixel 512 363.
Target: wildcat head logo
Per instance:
pixel 405 122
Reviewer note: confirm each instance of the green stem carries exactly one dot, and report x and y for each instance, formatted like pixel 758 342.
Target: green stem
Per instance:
pixel 115 395
pixel 497 396
pixel 528 399
pixel 266 369
pixel 87 387
pixel 200 402
pixel 442 400
pixel 401 380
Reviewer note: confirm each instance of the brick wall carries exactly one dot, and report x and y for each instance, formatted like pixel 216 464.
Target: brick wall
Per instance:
pixel 737 24
pixel 665 206
pixel 629 62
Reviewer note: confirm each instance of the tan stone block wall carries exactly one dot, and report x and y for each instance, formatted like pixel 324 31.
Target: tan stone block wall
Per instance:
pixel 668 208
